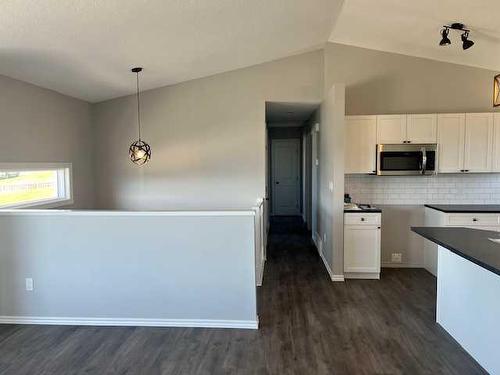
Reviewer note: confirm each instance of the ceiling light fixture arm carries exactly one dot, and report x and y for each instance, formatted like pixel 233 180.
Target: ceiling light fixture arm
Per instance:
pixel 137 71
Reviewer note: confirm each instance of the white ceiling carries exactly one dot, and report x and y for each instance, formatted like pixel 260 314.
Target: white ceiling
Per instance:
pixel 412 27
pixel 285 114
pixel 85 48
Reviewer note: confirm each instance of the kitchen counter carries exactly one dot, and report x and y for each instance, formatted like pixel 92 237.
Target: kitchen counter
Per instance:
pixel 466 208
pixel 471 244
pixel 468 286
pixel 361 210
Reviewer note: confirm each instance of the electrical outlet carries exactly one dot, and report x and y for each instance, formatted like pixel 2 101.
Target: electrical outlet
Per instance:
pixel 396 257
pixel 29 284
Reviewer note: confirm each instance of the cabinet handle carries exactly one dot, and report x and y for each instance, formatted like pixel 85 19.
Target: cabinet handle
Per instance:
pixel 378 227
pixel 474 219
pixel 408 141
pixel 466 170
pixel 362 219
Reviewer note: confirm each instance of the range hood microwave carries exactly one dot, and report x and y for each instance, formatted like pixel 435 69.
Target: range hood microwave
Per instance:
pixel 406 159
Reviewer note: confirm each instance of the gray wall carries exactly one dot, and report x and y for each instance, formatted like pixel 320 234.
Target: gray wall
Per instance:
pixel 39 125
pixel 207 136
pixel 331 170
pixel 383 83
pixel 137 266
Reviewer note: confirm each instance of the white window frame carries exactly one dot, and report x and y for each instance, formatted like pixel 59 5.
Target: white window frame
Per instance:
pixel 65 183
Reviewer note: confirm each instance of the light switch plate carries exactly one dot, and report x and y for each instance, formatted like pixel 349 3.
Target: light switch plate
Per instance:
pixel 29 284
pixel 396 257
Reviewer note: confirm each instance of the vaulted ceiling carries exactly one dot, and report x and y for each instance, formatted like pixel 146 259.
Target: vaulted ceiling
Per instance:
pixel 85 48
pixel 412 27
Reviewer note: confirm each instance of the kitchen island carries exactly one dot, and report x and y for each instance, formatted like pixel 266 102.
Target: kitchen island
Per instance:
pixel 468 289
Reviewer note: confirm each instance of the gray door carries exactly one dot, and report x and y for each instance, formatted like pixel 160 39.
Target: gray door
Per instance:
pixel 285 176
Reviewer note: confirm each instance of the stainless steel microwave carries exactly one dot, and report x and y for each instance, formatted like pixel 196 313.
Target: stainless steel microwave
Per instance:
pixel 406 159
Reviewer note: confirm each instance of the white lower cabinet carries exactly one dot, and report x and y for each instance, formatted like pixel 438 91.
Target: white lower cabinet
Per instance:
pixel 362 245
pixel 436 218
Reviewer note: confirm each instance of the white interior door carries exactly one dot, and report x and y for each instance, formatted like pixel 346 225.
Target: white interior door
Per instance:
pixel 286 176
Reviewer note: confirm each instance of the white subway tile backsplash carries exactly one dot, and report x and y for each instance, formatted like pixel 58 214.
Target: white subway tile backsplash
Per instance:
pixel 443 189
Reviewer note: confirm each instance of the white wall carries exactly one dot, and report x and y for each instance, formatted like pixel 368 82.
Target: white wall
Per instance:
pixel 331 171
pixel 39 125
pixel 207 137
pixel 123 268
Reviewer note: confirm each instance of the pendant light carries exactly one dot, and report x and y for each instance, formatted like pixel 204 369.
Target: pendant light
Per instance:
pixel 139 151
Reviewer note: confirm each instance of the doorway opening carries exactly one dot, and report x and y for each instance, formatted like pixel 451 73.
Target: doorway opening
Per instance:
pixel 292 163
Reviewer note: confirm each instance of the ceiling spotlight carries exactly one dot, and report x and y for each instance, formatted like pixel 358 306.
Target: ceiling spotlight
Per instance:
pixel 466 42
pixel 445 41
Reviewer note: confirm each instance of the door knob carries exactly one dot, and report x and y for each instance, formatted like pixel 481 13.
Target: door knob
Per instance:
pixel 277 182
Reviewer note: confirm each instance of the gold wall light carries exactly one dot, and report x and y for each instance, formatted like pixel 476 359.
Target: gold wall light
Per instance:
pixel 496 91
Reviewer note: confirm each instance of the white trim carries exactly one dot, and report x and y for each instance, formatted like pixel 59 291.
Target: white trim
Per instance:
pixel 319 246
pixel 260 277
pixel 125 213
pixel 401 265
pixel 203 323
pixel 362 275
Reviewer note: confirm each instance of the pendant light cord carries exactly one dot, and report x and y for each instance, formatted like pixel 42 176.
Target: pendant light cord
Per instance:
pixel 138 107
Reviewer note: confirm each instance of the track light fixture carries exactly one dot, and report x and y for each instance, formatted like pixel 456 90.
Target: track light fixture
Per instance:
pixel 445 41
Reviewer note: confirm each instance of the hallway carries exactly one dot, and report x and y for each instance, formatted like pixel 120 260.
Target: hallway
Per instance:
pixel 308 325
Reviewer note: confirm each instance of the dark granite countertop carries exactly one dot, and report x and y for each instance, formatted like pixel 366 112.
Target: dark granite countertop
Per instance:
pixel 364 208
pixel 466 208
pixel 471 244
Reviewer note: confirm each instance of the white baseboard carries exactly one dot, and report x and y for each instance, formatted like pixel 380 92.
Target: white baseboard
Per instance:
pixel 319 245
pixel 363 275
pixel 201 323
pixel 401 265
pixel 261 276
pixel 337 277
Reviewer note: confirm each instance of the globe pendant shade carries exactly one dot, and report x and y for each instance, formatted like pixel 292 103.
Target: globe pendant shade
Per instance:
pixel 139 152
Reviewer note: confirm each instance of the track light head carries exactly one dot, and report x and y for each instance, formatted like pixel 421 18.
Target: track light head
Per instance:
pixel 466 42
pixel 445 41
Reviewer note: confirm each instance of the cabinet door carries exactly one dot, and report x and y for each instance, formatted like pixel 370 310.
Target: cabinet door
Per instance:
pixel 496 143
pixel 361 248
pixel 361 141
pixel 421 128
pixel 478 142
pixel 391 129
pixel 451 138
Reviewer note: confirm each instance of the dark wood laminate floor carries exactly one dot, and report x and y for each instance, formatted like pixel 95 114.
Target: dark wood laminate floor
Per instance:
pixel 309 325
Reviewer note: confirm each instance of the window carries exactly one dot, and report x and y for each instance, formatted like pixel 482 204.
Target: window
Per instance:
pixel 35 185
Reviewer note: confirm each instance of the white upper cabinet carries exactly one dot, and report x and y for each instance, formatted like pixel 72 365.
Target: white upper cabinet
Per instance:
pixel 451 138
pixel 391 129
pixel 496 143
pixel 478 142
pixel 421 128
pixel 360 140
